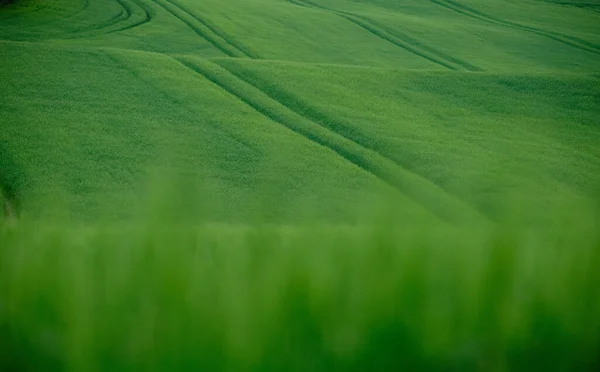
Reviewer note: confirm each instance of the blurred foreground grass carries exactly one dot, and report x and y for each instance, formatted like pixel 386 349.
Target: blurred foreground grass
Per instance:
pixel 378 297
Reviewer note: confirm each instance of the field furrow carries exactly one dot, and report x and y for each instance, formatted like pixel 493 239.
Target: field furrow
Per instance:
pixel 214 30
pixel 299 185
pixel 592 7
pixel 420 190
pixel 562 38
pixel 172 100
pixel 346 130
pixel 123 15
pixel 135 14
pixel 132 13
pixel 394 37
pixel 202 29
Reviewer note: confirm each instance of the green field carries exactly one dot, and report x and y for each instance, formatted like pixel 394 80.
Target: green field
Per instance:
pixel 299 184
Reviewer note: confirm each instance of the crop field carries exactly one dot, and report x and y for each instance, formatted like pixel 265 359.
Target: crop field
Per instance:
pixel 300 185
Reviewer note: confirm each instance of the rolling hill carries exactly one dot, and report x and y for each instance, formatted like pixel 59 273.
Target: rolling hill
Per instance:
pixel 330 103
pixel 321 185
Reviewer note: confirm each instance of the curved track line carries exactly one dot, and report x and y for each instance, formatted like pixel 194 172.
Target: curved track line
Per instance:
pixel 201 29
pixel 107 27
pixel 595 8
pixel 398 39
pixel 425 48
pixel 122 16
pixel 147 16
pixel 215 30
pixel 562 38
pixel 420 190
pixel 324 120
pixel 129 11
pixel 177 103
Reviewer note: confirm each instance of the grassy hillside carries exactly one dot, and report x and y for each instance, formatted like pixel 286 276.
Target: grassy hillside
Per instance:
pixel 304 184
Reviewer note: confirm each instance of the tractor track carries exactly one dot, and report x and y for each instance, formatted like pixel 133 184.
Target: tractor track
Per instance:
pixel 439 202
pixel 121 17
pixel 595 8
pixel 475 14
pixel 233 136
pixel 441 56
pixel 400 40
pixel 592 7
pixel 202 29
pixel 316 116
pixel 127 13
pixel 216 31
pixel 147 16
pixel 115 24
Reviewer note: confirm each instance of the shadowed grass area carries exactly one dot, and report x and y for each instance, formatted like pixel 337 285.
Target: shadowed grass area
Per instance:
pixel 224 297
pixel 12 180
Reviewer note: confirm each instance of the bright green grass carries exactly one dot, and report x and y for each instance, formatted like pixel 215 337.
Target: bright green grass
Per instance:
pixel 139 111
pixel 486 138
pixel 439 140
pixel 235 298
pixel 285 128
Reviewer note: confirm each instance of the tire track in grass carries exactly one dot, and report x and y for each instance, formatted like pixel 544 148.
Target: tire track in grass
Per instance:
pixel 215 30
pixel 129 11
pixel 400 40
pixel 318 117
pixel 121 17
pixel 425 48
pixel 146 16
pixel 202 30
pixel 115 58
pixel 465 10
pixel 445 206
pixel 107 27
pixel 595 8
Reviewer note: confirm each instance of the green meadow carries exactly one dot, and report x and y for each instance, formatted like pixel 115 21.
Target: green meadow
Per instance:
pixel 306 185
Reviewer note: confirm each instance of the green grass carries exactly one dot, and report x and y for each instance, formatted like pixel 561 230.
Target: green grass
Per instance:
pixel 227 297
pixel 200 185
